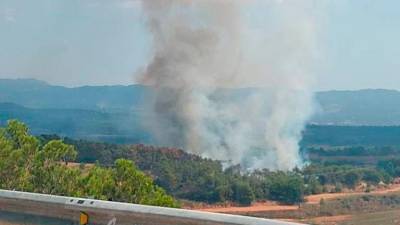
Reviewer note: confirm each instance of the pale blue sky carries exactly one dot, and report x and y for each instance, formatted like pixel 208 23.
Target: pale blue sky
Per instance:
pixel 80 42
pixel 362 45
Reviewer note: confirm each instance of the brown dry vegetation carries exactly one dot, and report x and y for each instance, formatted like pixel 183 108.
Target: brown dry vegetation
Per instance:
pixel 381 206
pixel 256 207
pixel 315 199
pixel 273 206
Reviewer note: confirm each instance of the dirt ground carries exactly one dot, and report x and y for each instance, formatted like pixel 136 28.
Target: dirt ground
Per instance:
pixel 315 199
pixel 256 207
pixel 324 220
pixel 312 199
pixel 331 220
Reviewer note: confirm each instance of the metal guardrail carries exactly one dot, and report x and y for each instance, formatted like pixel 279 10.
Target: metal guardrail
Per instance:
pixel 38 209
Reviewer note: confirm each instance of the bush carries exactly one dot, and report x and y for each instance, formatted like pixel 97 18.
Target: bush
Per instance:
pixel 27 165
pixel 338 187
pixel 352 178
pixel 287 188
pixel 314 187
pixel 372 176
pixel 243 194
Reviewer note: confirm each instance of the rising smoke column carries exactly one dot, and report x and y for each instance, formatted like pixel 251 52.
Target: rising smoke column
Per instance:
pixel 205 55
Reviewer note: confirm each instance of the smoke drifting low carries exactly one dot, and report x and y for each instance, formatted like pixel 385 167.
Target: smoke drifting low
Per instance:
pixel 207 55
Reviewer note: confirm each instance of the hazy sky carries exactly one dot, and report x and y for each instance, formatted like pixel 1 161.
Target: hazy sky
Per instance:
pixel 80 42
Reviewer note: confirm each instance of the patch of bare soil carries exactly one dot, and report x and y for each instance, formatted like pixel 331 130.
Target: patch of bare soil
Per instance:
pixel 323 220
pixel 78 165
pixel 256 207
pixel 330 220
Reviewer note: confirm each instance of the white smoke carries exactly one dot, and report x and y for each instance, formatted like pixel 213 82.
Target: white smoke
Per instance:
pixel 206 55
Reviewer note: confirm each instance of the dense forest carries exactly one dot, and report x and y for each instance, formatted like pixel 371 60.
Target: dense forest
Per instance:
pixel 28 164
pixel 48 164
pixel 351 135
pixel 191 177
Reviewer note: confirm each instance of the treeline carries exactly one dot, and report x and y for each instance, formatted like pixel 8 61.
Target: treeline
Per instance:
pixel 327 135
pixel 33 165
pixel 354 151
pixel 191 177
pixel 362 156
pixel 320 176
pixel 390 167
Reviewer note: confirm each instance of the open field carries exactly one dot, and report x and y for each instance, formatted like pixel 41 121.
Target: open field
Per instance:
pixel 378 218
pixel 256 207
pixel 391 217
pixel 365 209
pixel 315 199
pixel 312 199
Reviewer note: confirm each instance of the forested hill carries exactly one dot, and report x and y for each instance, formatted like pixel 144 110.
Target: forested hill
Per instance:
pixel 78 123
pixel 38 94
pixel 115 113
pixel 364 107
pixel 351 136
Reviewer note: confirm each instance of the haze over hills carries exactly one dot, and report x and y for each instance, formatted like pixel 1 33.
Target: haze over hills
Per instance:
pixel 38 94
pixel 114 113
pixel 78 123
pixel 376 107
pixel 364 107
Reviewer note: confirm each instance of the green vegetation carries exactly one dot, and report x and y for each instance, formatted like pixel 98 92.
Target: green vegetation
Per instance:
pixel 391 167
pixel 41 165
pixel 287 188
pixel 187 176
pixel 114 113
pixel 351 155
pixel 192 177
pixel 380 136
pixel 27 164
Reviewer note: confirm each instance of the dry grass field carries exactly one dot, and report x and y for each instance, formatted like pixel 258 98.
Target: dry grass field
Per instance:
pixel 380 207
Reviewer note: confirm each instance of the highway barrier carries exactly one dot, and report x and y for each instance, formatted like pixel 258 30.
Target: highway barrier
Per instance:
pixel 21 208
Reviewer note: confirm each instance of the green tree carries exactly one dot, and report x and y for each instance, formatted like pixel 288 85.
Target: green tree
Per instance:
pixel 57 151
pixel 100 183
pixel 372 176
pixel 225 193
pixel 17 156
pixel 338 187
pixel 352 178
pixel 132 185
pixel 27 165
pixel 313 187
pixel 287 188
pixel 242 193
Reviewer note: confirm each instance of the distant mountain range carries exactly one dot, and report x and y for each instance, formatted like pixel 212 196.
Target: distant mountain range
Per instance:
pixel 38 94
pixel 364 107
pixel 114 112
pixel 78 123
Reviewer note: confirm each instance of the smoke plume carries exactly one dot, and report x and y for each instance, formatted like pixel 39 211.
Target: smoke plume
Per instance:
pixel 231 79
